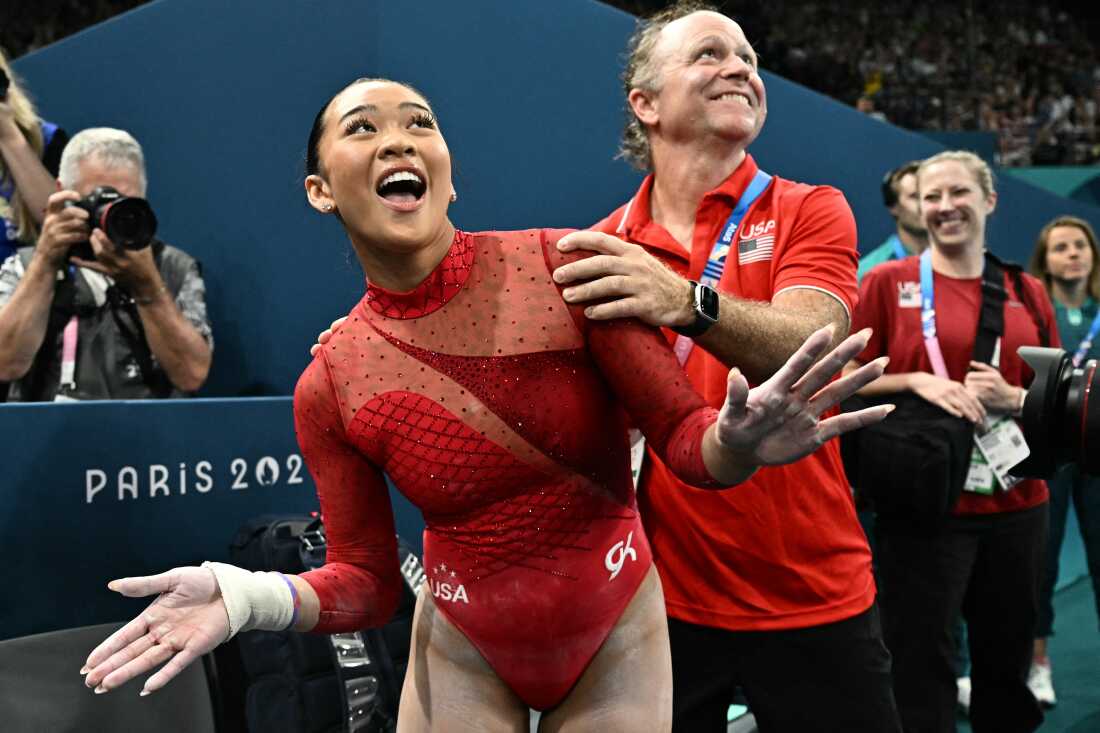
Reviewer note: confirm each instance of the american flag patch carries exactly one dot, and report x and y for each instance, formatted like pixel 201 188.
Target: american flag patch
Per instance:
pixel 755 250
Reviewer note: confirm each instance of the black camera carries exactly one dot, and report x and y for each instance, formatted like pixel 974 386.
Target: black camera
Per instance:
pixel 1061 419
pixel 127 221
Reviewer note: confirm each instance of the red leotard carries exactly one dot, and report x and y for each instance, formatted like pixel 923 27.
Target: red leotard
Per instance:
pixel 495 409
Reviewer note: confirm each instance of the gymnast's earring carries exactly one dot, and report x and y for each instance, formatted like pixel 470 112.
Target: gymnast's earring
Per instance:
pixel 327 208
pixel 454 197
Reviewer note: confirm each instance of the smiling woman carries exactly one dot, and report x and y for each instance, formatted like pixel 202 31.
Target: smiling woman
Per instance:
pixel 984 559
pixel 498 410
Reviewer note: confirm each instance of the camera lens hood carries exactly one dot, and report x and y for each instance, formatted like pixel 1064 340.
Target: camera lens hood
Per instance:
pixel 1043 425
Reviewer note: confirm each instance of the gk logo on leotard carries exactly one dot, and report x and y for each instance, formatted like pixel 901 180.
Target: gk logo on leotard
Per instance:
pixel 617 555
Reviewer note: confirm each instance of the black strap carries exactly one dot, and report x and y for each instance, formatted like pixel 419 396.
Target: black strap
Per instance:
pixel 155 379
pixel 993 286
pixel 991 322
pixel 1024 294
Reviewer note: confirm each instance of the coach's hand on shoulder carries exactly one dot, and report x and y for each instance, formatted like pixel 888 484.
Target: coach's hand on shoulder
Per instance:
pixel 324 336
pixel 631 282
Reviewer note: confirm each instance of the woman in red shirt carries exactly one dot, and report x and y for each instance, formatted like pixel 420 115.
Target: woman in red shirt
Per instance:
pixel 497 410
pixel 985 558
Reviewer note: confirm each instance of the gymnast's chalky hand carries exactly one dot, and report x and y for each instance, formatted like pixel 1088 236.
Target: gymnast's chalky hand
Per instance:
pixel 779 421
pixel 187 620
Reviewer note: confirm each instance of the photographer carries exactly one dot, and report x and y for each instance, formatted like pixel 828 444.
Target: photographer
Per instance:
pixel 114 322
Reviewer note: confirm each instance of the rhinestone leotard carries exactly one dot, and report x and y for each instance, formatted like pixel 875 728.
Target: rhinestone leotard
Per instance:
pixel 498 411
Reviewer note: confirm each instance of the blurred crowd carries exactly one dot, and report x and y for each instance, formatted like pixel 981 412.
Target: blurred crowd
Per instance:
pixel 1028 73
pixel 26 26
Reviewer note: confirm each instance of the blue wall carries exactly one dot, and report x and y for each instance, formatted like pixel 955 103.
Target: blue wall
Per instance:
pixel 102 490
pixel 222 96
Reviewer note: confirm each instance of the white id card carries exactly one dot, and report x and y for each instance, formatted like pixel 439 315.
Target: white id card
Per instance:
pixel 979 479
pixel 1002 444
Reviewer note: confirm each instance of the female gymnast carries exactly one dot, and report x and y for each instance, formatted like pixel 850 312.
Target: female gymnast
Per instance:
pixel 500 412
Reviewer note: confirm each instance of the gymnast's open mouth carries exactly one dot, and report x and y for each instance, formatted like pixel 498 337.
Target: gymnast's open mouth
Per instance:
pixel 402 188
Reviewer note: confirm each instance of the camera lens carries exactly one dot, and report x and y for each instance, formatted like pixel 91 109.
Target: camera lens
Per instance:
pixel 129 222
pixel 1061 415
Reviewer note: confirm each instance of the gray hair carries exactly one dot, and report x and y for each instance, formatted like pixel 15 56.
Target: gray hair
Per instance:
pixel 642 72
pixel 112 147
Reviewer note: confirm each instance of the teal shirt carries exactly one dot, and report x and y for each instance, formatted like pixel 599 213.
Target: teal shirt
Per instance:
pixel 885 252
pixel 1074 324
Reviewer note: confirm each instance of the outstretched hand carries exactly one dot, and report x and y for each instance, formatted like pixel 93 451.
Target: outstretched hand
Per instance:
pixel 778 421
pixel 187 620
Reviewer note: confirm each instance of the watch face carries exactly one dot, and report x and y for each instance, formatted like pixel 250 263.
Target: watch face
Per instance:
pixel 707 299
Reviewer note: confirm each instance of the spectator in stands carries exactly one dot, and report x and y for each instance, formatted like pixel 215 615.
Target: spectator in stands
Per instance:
pixel 866 105
pixel 128 324
pixel 30 152
pixel 899 196
pixel 768 588
pixel 542 592
pixel 1067 260
pixel 985 558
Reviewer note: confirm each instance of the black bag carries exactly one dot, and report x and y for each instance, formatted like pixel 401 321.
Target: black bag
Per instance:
pixel 318 683
pixel 914 463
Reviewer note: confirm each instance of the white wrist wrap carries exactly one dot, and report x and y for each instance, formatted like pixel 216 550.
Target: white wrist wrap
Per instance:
pixel 253 600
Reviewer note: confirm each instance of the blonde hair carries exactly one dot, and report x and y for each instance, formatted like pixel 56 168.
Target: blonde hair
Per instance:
pixel 1038 264
pixel 975 165
pixel 641 72
pixel 26 119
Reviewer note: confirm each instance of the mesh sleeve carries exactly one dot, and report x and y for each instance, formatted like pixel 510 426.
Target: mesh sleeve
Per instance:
pixel 360 584
pixel 641 369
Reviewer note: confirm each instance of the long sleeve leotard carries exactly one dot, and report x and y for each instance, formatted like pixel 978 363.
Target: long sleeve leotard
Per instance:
pixel 498 411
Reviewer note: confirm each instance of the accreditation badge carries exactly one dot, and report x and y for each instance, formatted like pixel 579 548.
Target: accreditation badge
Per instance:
pixel 909 295
pixel 1002 445
pixel 980 478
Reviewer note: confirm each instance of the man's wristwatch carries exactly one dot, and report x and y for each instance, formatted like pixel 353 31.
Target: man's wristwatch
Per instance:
pixel 704 302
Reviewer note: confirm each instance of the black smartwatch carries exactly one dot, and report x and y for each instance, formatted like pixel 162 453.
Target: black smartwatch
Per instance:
pixel 704 302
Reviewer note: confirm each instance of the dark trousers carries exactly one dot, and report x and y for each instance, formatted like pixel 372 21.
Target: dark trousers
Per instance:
pixel 962 655
pixel 987 566
pixel 1070 485
pixel 834 677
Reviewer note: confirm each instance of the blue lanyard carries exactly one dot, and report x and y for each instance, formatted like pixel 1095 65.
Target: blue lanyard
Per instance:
pixel 1086 343
pixel 927 302
pixel 928 317
pixel 900 252
pixel 716 264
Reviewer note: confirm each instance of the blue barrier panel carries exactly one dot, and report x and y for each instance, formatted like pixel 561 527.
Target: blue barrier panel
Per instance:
pixel 528 93
pixel 100 490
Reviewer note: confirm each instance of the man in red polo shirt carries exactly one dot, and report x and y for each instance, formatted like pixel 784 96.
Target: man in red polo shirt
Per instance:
pixel 768 585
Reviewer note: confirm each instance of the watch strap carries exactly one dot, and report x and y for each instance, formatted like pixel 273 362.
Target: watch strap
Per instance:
pixel 702 322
